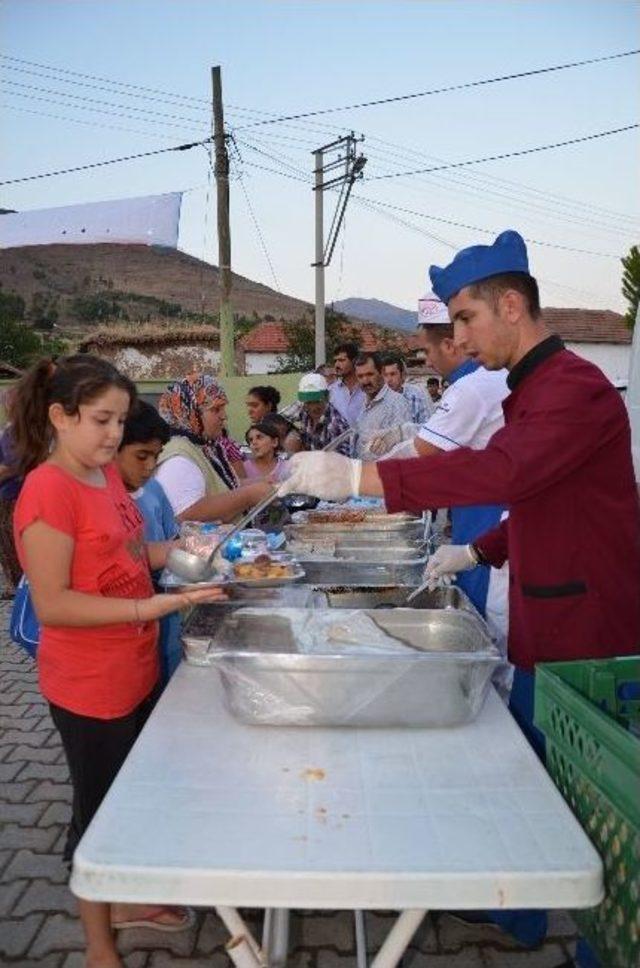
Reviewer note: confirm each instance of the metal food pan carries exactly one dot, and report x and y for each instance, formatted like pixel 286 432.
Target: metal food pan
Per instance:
pixel 443 683
pixel 447 596
pixel 342 571
pixel 384 551
pixel 369 532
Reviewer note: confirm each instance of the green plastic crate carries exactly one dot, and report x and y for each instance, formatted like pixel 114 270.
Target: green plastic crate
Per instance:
pixel 589 712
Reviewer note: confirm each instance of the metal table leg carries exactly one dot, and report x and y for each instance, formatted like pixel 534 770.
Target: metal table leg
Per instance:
pixel 360 926
pixel 398 939
pixel 242 947
pixel 275 937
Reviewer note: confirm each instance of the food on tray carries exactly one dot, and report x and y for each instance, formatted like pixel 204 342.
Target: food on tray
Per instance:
pixel 337 515
pixel 262 567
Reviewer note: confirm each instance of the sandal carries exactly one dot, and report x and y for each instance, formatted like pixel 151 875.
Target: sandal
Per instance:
pixel 152 920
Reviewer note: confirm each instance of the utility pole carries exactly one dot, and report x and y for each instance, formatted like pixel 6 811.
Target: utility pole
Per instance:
pixel 221 170
pixel 320 348
pixel 353 166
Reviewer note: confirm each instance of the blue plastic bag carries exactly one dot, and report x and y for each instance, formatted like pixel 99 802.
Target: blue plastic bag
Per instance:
pixel 24 628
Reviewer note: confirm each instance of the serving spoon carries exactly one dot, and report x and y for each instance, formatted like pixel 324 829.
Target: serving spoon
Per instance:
pixel 194 568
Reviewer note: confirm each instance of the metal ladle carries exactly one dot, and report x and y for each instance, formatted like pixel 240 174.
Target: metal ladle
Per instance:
pixel 193 568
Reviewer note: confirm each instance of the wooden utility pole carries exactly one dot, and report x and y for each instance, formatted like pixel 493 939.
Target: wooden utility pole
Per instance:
pixel 227 357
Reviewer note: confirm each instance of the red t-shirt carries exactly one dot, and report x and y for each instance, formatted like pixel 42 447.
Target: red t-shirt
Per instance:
pixel 103 671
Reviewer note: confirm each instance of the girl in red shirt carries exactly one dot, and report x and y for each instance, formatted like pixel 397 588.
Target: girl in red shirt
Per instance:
pixel 79 538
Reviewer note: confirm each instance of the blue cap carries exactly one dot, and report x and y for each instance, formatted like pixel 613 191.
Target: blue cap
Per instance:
pixel 507 254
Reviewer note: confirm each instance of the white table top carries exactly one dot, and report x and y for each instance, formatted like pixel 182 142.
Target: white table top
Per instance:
pixel 207 811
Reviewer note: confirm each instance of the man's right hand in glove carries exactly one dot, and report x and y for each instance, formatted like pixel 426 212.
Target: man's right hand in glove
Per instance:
pixel 449 560
pixel 326 475
pixel 380 443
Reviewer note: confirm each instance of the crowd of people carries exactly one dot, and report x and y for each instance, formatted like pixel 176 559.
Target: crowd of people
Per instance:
pixel 527 445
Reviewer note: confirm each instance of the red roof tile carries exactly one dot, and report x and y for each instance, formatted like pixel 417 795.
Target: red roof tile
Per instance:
pixel 270 338
pixel 588 325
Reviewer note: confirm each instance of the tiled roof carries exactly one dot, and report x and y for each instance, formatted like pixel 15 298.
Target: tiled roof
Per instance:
pixel 270 338
pixel 588 325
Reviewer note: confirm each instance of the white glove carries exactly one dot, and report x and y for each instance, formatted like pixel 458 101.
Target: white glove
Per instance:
pixel 401 451
pixel 381 443
pixel 326 475
pixel 449 560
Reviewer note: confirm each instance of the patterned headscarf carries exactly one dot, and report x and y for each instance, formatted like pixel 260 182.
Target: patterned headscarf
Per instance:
pixel 181 405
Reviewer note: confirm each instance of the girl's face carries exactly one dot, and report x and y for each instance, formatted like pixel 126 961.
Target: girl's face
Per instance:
pixel 92 436
pixel 214 419
pixel 256 409
pixel 261 444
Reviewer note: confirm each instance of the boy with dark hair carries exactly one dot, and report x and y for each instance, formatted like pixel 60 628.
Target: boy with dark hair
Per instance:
pixel 145 434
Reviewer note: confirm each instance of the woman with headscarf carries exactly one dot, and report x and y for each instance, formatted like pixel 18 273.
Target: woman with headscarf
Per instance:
pixel 193 468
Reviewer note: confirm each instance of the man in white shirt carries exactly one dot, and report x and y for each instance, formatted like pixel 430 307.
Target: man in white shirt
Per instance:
pixel 384 407
pixel 345 393
pixel 395 376
pixel 467 415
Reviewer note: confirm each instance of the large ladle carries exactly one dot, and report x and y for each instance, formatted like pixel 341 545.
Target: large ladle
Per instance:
pixel 193 568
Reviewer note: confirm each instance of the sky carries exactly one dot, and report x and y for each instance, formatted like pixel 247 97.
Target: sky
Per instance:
pixel 283 58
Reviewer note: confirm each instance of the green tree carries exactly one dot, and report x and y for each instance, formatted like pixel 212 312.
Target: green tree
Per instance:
pixel 300 335
pixel 631 283
pixel 19 345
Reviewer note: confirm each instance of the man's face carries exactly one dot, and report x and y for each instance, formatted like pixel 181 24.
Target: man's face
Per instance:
pixel 436 355
pixel 393 376
pixel 370 380
pixel 483 331
pixel 137 462
pixel 433 389
pixel 343 365
pixel 315 409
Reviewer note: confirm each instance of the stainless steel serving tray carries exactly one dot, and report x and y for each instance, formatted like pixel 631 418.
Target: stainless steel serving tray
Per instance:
pixel 341 571
pixel 360 533
pixel 447 596
pixel 442 683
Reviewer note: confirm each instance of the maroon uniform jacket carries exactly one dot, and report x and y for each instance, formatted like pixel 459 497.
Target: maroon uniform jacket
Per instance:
pixel 562 464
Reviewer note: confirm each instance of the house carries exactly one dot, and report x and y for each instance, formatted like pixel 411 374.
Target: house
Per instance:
pixel 154 352
pixel 260 350
pixel 598 335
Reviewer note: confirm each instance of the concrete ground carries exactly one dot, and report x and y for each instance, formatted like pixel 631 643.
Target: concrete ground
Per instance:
pixel 39 924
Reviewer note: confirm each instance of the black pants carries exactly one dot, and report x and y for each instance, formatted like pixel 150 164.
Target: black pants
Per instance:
pixel 95 750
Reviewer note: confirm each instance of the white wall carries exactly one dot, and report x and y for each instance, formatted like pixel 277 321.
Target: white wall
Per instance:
pixel 260 362
pixel 612 358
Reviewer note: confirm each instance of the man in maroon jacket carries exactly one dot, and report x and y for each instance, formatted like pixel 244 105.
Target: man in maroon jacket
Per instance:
pixel 562 464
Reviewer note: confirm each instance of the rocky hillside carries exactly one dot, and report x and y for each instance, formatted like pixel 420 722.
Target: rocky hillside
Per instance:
pixel 79 286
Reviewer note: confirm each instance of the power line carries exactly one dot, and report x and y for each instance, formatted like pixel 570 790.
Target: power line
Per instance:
pixel 448 88
pixel 508 154
pixel 476 228
pixel 100 164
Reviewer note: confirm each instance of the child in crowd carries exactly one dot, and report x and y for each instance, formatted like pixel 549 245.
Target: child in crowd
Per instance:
pixel 264 441
pixel 145 434
pixel 79 538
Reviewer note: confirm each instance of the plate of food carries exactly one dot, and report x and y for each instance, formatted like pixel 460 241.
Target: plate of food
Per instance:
pixel 266 571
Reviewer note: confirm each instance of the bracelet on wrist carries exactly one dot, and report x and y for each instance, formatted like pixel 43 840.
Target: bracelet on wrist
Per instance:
pixel 476 554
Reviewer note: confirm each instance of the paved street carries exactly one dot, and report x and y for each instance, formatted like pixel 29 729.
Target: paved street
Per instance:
pixel 39 923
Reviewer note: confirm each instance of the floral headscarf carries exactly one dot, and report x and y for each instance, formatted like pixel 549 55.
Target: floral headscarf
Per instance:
pixel 181 404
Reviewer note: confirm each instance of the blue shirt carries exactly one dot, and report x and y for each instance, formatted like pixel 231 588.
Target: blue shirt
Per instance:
pixel 349 403
pixel 160 525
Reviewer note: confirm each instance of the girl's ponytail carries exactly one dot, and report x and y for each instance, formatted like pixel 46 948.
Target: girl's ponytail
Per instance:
pixel 29 416
pixel 69 381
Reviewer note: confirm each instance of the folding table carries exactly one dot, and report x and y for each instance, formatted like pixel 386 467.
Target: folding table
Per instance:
pixel 207 811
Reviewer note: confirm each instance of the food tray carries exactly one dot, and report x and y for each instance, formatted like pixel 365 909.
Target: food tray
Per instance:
pixel 297 572
pixel 446 596
pixel 343 571
pixel 442 683
pixel 374 521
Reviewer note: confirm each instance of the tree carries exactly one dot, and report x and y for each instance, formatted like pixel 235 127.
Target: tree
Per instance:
pixel 300 335
pixel 631 283
pixel 19 345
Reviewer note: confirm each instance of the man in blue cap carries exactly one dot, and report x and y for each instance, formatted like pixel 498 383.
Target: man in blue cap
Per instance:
pixel 561 465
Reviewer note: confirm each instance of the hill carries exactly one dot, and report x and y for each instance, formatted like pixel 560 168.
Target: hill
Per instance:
pixel 379 312
pixel 78 286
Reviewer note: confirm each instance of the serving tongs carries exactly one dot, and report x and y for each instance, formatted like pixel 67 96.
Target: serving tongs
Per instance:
pixel 193 568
